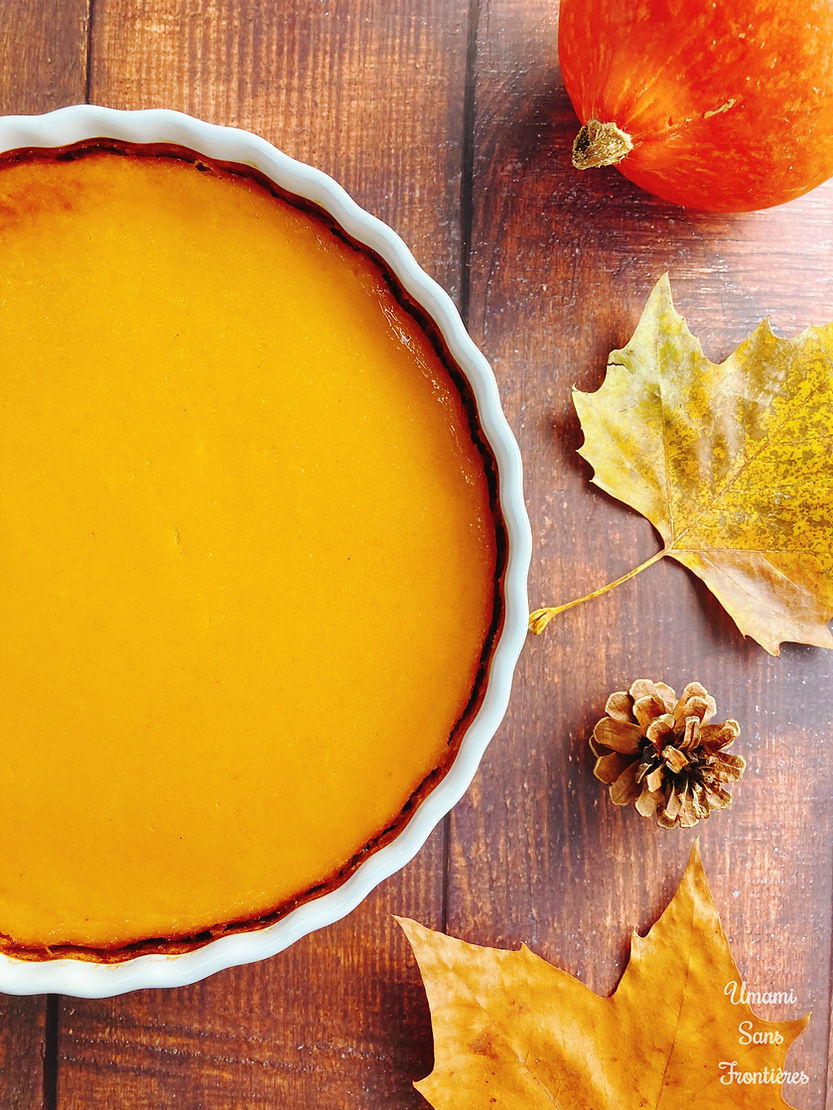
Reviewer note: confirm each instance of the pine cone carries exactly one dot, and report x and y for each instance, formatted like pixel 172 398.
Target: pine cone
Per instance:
pixel 662 754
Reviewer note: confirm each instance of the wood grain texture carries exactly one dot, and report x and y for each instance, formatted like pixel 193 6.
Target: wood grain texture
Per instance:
pixel 373 94
pixel 553 268
pixel 338 1020
pixel 23 1044
pixel 43 56
pixel 561 266
pixel 368 91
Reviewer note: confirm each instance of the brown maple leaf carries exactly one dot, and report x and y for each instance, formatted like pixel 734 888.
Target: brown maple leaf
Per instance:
pixel 512 1031
pixel 731 463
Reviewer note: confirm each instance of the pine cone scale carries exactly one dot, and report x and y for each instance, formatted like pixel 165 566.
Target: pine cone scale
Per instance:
pixel 660 753
pixel 619 736
pixel 625 789
pixel 609 767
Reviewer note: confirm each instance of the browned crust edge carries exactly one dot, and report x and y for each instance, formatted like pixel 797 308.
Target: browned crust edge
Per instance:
pixel 177 944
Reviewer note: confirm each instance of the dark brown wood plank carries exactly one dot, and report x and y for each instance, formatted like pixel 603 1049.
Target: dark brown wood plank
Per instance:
pixel 339 1019
pixel 43 53
pixel 561 266
pixel 23 1044
pixel 372 93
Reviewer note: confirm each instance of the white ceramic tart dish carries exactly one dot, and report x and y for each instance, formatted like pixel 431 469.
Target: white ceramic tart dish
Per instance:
pixel 178 522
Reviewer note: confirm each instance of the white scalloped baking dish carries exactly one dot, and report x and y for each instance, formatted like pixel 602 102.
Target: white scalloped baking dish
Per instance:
pixel 89 978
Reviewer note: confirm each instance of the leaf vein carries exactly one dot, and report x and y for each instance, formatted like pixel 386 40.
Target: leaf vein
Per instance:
pixel 751 550
pixel 668 498
pixel 803 590
pixel 676 1027
pixel 764 444
pixel 522 1060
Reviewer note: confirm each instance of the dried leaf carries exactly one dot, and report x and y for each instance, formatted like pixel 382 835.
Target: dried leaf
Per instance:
pixel 511 1030
pixel 731 463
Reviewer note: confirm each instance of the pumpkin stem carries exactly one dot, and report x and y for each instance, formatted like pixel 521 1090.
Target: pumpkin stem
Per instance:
pixel 600 144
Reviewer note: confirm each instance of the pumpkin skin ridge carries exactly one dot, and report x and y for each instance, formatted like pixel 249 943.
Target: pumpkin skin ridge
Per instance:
pixel 734 128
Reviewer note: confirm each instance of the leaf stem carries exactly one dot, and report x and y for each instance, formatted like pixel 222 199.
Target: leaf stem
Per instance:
pixel 540 618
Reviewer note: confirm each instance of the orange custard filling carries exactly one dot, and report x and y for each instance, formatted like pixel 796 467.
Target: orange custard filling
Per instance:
pixel 248 551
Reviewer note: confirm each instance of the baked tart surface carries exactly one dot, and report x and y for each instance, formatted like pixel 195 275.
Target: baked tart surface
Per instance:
pixel 249 553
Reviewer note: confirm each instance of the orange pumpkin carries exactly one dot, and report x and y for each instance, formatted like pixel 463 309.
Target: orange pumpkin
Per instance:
pixel 725 105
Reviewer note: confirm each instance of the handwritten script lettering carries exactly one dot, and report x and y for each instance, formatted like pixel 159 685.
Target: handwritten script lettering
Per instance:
pixel 748 1034
pixel 765 1075
pixel 740 996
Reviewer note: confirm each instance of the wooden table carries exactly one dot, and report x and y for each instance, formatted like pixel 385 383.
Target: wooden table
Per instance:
pixel 447 118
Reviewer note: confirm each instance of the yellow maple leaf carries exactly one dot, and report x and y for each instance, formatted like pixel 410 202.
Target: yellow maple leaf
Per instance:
pixel 731 463
pixel 512 1031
